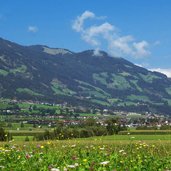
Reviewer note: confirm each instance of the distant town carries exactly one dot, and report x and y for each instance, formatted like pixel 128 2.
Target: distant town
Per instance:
pixel 40 114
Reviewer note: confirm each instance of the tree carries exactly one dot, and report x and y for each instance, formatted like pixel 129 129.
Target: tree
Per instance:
pixel 9 125
pixel 34 125
pixel 35 107
pixel 113 126
pixel 90 122
pixel 22 125
pixel 2 135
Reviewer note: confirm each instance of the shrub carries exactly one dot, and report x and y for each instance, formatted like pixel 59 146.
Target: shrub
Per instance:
pixel 165 127
pixel 27 138
pixel 146 128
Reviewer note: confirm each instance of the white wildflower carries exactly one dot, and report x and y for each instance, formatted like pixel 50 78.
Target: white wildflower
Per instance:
pixel 102 148
pixel 120 151
pixel 55 169
pixel 73 145
pixel 65 169
pixel 104 163
pixel 71 166
pixel 76 164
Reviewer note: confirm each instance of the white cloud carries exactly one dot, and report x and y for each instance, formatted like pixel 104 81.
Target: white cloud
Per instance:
pixel 139 65
pixel 78 23
pixel 144 65
pixel 121 45
pixel 97 52
pixel 166 71
pixel 141 48
pixel 33 29
pixel 91 35
pixel 106 33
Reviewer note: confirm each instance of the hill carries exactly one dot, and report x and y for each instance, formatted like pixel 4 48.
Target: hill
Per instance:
pixel 40 73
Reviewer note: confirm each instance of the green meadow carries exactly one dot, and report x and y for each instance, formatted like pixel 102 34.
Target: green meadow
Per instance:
pixel 103 153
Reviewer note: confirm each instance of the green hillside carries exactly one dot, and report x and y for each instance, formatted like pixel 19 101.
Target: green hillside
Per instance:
pixel 40 73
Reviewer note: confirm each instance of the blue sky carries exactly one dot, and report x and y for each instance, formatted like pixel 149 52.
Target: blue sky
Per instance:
pixel 138 30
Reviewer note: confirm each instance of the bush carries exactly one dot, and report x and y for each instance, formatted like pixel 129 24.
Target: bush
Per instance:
pixel 165 127
pixel 84 133
pixel 98 130
pixel 44 136
pixel 146 128
pixel 145 132
pixel 27 138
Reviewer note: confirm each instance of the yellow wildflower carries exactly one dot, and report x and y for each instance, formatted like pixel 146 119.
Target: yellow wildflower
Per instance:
pixel 84 160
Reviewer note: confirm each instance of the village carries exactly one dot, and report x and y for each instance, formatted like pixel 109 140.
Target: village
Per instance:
pixel 50 115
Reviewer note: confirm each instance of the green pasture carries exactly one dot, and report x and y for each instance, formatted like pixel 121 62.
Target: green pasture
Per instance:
pixel 131 137
pixel 21 135
pixel 91 154
pixel 146 132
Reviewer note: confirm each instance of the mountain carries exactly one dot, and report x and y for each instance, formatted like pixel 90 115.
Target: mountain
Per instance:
pixel 40 73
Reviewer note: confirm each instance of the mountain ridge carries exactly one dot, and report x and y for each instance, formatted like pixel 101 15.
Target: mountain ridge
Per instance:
pixel 38 72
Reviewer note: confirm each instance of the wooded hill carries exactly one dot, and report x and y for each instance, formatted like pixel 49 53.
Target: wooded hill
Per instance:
pixel 40 73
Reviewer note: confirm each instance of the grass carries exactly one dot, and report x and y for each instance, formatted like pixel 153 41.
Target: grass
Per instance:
pixel 28 91
pixel 125 74
pixel 3 72
pixel 146 132
pixel 104 103
pixel 87 114
pixel 20 69
pixel 60 88
pixel 168 90
pixel 101 78
pixel 133 137
pixel 149 77
pixel 27 105
pixel 168 101
pixel 134 82
pixel 26 132
pixel 119 82
pixel 98 153
pixel 20 136
pixel 138 98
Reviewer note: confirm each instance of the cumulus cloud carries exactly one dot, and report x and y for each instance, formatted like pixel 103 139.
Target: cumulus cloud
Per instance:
pixel 92 34
pixel 106 33
pixel 33 29
pixel 78 23
pixel 97 52
pixel 121 45
pixel 141 48
pixel 166 71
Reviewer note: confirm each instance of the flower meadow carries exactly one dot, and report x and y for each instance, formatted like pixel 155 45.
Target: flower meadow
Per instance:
pixel 82 155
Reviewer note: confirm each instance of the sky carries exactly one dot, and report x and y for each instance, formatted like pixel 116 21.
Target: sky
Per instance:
pixel 137 30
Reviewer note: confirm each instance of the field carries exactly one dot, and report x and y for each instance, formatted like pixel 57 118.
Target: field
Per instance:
pixel 110 153
pixel 128 150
